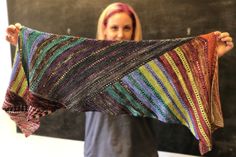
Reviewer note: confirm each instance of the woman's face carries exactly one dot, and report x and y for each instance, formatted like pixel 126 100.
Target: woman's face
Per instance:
pixel 119 27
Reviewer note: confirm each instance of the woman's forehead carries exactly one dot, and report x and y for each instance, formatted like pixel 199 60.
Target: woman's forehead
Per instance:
pixel 120 18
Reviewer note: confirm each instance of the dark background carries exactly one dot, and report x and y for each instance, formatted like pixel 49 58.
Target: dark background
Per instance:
pixel 160 19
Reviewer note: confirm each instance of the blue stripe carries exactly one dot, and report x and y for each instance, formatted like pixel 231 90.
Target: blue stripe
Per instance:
pixel 159 64
pixel 132 86
pixel 154 95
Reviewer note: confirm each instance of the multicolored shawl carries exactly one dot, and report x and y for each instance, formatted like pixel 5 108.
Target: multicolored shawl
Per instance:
pixel 175 81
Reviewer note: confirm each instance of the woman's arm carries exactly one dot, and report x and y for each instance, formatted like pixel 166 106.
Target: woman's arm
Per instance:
pixel 224 40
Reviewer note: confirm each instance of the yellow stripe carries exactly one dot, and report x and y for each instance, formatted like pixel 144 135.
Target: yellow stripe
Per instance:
pixel 23 88
pixel 193 84
pixel 20 81
pixel 172 93
pixel 19 76
pixel 175 68
pixel 159 89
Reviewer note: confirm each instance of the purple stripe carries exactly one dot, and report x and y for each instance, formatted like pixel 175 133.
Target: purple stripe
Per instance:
pixel 142 98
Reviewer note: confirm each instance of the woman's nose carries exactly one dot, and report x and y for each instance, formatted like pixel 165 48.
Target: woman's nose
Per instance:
pixel 120 33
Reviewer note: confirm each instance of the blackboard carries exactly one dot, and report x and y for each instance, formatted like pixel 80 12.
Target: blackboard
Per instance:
pixel 160 19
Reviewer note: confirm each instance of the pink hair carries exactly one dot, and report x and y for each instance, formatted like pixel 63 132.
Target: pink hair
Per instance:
pixel 122 8
pixel 119 8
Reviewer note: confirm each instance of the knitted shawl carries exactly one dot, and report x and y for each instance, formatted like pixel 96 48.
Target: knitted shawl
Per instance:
pixel 174 80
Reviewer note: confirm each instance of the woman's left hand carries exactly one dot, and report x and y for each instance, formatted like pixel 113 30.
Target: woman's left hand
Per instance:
pixel 224 43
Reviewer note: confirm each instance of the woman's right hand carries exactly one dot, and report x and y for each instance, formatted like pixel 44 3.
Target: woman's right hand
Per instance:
pixel 12 33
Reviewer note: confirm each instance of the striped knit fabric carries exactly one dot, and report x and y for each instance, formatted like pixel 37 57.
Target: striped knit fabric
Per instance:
pixel 174 81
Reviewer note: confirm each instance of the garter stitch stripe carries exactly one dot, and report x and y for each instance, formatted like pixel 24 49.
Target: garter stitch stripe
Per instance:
pixel 173 80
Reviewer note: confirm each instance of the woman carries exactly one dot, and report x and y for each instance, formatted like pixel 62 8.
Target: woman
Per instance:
pixel 124 136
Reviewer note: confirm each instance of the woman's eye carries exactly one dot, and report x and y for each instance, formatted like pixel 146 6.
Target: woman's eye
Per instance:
pixel 127 28
pixel 114 28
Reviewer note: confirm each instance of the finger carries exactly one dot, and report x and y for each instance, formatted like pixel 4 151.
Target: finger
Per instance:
pixel 7 38
pixel 227 39
pixel 12 32
pixel 217 33
pixel 230 44
pixel 11 40
pixel 18 26
pixel 11 29
pixel 224 34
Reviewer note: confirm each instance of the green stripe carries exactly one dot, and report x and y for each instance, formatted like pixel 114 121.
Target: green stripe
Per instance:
pixel 123 91
pixel 25 55
pixel 44 51
pixel 56 54
pixel 120 100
